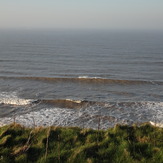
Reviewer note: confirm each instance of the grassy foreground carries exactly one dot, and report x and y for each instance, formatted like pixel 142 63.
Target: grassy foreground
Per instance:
pixel 61 144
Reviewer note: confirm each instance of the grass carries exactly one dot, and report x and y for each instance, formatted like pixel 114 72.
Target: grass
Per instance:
pixel 121 144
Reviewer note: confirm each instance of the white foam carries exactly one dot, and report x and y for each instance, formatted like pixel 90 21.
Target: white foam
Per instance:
pixel 60 117
pixel 83 77
pixel 156 124
pixel 128 113
pixel 11 98
pixel 87 77
pixel 76 101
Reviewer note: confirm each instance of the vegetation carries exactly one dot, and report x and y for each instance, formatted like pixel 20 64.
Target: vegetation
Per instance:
pixel 121 144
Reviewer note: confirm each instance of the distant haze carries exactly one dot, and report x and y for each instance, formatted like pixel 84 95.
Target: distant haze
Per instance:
pixel 82 14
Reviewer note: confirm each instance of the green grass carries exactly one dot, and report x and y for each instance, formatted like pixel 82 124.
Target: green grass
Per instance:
pixel 121 144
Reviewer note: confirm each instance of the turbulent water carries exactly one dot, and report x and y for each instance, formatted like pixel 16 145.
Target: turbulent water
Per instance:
pixel 81 78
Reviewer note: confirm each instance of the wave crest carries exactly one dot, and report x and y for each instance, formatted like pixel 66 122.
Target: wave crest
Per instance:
pixel 91 80
pixel 67 103
pixel 12 99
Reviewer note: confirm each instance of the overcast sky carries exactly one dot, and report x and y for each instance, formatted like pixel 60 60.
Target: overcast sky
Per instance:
pixel 92 14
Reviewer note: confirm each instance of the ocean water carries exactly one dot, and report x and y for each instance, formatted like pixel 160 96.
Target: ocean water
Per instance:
pixel 81 78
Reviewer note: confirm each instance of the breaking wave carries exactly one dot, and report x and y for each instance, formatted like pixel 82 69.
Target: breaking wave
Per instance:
pixel 12 99
pixel 91 80
pixel 90 114
pixel 67 103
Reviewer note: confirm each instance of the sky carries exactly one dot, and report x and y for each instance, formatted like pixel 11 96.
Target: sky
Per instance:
pixel 82 14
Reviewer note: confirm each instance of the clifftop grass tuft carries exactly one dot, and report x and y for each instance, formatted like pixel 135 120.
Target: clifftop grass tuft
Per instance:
pixel 121 144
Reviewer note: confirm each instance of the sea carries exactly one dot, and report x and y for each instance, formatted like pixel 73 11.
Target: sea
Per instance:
pixel 85 78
